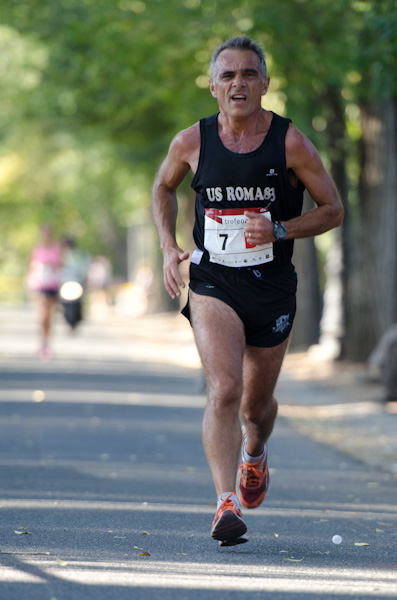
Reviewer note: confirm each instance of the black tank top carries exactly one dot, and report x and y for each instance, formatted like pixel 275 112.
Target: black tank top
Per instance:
pixel 228 180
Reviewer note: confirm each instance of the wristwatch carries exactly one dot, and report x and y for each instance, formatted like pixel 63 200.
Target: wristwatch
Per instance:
pixel 279 231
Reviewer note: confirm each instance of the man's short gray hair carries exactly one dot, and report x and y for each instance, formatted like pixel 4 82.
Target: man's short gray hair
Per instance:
pixel 239 43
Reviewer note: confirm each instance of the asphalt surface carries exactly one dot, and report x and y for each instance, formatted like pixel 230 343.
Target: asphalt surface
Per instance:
pixel 105 492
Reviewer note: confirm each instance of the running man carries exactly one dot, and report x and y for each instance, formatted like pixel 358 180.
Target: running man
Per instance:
pixel 250 168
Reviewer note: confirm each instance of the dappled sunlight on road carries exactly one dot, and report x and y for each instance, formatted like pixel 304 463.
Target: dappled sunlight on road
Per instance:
pixel 186 575
pixel 157 338
pixel 283 563
pixel 106 491
pixel 105 398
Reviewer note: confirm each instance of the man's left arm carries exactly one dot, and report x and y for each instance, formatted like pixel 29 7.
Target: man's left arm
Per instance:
pixel 304 160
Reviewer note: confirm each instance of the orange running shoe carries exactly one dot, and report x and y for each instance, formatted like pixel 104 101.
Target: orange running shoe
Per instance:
pixel 228 523
pixel 253 481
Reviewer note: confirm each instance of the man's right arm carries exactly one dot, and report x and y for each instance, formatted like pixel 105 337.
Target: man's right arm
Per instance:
pixel 165 206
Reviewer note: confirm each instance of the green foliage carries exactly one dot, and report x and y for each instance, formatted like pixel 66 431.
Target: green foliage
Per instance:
pixel 376 48
pixel 93 91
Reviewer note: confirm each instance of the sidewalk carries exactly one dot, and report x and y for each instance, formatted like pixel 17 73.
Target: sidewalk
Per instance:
pixel 333 403
pixel 324 400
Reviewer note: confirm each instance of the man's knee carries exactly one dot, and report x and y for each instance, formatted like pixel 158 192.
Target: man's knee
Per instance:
pixel 224 394
pixel 259 410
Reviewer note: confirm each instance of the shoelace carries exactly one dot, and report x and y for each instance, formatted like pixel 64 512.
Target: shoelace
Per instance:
pixel 227 504
pixel 253 476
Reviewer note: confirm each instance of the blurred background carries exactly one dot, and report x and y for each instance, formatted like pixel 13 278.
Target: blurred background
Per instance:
pixel 92 92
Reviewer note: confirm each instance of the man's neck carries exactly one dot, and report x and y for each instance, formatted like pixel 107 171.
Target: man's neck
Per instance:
pixel 244 135
pixel 252 125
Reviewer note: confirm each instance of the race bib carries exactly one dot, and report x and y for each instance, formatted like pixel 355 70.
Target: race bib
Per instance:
pixel 225 240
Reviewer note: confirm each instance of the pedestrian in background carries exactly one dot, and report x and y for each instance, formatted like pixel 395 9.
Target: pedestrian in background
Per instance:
pixel 44 278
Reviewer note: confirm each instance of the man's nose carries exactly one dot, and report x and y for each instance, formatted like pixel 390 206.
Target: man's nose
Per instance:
pixel 238 80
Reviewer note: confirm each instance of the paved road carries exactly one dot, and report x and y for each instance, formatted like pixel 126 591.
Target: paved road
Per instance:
pixel 101 462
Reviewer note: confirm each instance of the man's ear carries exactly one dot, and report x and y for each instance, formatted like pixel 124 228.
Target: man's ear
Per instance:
pixel 212 88
pixel 265 86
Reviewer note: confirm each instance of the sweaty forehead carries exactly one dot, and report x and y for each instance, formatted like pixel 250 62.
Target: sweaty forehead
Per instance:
pixel 237 60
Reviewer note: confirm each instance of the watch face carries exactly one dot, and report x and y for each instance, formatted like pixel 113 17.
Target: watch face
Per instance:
pixel 280 232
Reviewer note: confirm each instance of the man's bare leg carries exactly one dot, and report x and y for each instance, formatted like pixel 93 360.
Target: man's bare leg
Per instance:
pixel 220 339
pixel 258 412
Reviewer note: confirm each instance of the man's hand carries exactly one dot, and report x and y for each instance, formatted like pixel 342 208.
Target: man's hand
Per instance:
pixel 172 278
pixel 258 229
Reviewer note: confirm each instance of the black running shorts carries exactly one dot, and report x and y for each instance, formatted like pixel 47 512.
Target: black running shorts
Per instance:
pixel 264 299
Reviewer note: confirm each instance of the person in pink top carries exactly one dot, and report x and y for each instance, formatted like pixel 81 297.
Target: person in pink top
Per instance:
pixel 45 278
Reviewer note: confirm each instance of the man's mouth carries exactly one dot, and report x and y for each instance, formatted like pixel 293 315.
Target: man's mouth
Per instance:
pixel 239 97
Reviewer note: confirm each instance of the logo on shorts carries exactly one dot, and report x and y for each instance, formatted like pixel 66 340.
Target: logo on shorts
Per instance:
pixel 281 324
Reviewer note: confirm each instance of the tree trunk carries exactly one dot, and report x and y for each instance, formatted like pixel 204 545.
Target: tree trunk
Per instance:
pixel 332 322
pixel 308 312
pixel 372 286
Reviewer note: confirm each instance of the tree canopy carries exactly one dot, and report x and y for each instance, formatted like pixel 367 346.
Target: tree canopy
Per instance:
pixel 94 90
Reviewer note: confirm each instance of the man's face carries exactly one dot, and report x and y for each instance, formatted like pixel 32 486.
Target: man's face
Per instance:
pixel 238 85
